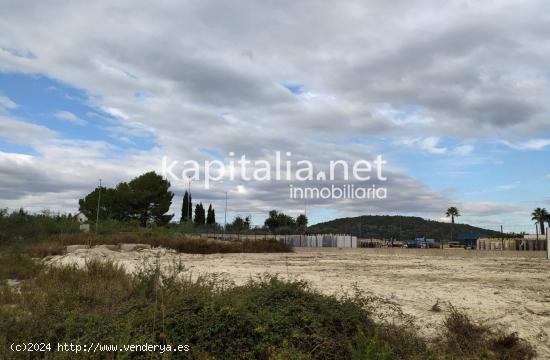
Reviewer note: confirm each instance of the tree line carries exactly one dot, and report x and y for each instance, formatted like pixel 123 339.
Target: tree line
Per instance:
pixel 147 199
pixel 201 217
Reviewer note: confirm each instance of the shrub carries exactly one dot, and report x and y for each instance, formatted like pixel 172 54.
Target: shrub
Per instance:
pixel 21 228
pixel 266 318
pixel 465 338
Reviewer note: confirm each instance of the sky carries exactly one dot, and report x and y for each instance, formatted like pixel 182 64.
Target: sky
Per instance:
pixel 454 97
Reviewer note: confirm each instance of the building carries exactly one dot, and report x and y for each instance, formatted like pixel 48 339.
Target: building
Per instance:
pixel 468 240
pixel 83 221
pixel 424 242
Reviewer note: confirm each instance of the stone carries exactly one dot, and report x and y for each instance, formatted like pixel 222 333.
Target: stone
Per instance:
pixel 134 247
pixel 73 248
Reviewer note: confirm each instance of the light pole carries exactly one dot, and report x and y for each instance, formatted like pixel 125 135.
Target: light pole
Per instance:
pixel 98 202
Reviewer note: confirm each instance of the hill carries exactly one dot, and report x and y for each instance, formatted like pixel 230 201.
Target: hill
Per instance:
pixel 397 227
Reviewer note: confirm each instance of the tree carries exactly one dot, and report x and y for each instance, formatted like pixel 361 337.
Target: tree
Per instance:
pixel 88 205
pixel 121 202
pixel 150 199
pixel 239 224
pixel 199 215
pixel 301 222
pixel 540 215
pixel 186 208
pixel 452 212
pixel 280 222
pixel 210 216
pixel 271 221
pixel 146 198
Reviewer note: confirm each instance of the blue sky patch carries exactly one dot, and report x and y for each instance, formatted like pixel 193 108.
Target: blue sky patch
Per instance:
pixel 64 109
pixel 294 88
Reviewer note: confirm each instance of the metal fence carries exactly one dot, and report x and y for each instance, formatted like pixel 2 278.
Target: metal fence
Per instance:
pixel 296 240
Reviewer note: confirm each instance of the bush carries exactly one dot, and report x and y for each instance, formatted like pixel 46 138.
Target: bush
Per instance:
pixel 266 318
pixel 21 228
pixel 466 338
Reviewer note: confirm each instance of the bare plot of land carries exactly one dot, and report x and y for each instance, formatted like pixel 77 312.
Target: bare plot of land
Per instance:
pixel 505 288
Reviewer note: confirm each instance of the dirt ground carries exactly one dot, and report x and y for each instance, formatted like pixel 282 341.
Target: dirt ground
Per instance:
pixel 511 289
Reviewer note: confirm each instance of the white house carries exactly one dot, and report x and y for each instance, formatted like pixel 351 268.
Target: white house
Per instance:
pixel 83 220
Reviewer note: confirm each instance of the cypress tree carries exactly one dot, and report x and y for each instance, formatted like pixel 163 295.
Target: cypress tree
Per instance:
pixel 199 215
pixel 186 213
pixel 184 207
pixel 211 216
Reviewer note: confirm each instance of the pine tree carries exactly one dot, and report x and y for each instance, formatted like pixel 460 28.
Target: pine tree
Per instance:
pixel 211 216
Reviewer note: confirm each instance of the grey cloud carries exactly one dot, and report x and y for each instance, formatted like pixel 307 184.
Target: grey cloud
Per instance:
pixel 22 132
pixel 212 72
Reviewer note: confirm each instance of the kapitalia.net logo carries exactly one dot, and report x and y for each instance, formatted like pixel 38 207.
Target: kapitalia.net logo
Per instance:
pixel 338 179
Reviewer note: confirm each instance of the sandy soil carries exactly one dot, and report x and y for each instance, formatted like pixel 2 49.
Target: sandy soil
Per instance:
pixel 510 289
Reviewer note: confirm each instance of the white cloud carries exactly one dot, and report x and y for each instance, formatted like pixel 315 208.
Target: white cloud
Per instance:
pixel 429 144
pixel 6 103
pixel 507 187
pixel 70 117
pixel 532 144
pixel 490 209
pixel 22 132
pixel 463 150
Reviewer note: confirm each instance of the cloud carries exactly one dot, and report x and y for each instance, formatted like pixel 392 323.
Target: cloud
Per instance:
pixel 507 187
pixel 6 103
pixel 22 132
pixel 70 117
pixel 532 144
pixel 436 76
pixel 429 144
pixel 463 150
pixel 477 209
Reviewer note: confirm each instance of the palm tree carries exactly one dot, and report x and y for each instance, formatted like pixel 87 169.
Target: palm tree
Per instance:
pixel 540 215
pixel 452 212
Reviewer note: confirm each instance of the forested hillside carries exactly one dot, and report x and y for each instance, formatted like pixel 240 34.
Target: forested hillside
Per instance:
pixel 398 227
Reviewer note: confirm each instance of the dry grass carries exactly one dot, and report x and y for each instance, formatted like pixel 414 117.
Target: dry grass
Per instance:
pixel 266 318
pixel 468 339
pixel 55 245
pixel 14 264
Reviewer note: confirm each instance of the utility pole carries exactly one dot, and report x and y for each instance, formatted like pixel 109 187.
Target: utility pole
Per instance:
pixel 225 216
pixel 305 214
pixel 547 244
pixel 98 202
pixel 502 237
pixel 190 207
